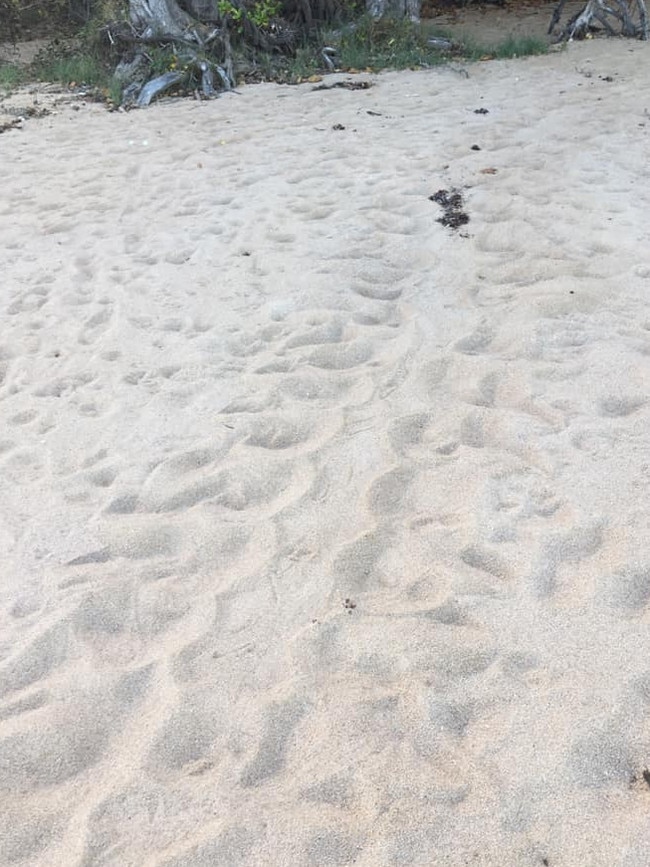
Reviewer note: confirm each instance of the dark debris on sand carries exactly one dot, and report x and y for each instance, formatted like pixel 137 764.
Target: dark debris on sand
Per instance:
pixel 452 202
pixel 346 85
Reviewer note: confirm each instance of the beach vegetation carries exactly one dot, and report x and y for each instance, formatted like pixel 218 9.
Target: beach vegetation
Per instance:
pixel 510 47
pixel 71 67
pixel 371 45
pixel 11 75
pixel 389 44
pixel 240 40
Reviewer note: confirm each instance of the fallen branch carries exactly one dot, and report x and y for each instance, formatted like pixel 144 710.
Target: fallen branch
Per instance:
pixel 157 86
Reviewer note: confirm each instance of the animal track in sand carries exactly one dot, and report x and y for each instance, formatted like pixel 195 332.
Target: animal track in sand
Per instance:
pixel 377 292
pixel 24 705
pixel 22 466
pixel 29 836
pixel 321 333
pixel 187 737
pixel 22 418
pixel 386 314
pixel 560 549
pixel 483 560
pixel 487 390
pixel 603 758
pixel 73 739
pixel 333 847
pixel 251 485
pixel 277 433
pixel 387 493
pixel 28 302
pixel 617 406
pixel 627 590
pixel 478 341
pixel 104 614
pixel 275 740
pixel 250 404
pixel 473 432
pixel 64 386
pixel 36 661
pixel 234 847
pixel 308 387
pixel 356 567
pixel 280 237
pixel 141 542
pixel 282 365
pixel 341 357
pixel 335 790
pixel 104 477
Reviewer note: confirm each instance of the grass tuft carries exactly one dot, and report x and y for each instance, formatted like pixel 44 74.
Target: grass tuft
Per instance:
pixel 510 47
pixel 369 44
pixel 10 76
pixel 386 44
pixel 73 68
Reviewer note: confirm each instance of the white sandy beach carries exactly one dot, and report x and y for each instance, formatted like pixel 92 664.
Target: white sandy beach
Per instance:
pixel 325 529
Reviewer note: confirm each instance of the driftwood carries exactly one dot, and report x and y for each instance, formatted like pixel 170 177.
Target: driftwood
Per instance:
pixel 201 48
pixel 159 85
pixel 614 17
pixel 199 37
pixel 155 86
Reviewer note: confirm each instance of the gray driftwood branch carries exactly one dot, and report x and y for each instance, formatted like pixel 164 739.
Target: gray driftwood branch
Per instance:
pixel 616 17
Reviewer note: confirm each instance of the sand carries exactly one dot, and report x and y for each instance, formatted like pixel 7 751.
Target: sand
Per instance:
pixel 325 528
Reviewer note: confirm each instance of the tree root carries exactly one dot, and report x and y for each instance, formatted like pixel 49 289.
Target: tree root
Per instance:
pixel 615 17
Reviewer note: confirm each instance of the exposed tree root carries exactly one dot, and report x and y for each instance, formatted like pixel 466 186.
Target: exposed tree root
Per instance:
pixel 614 17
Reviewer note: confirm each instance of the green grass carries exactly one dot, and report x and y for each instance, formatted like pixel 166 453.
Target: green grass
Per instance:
pixel 305 63
pixel 386 44
pixel 10 76
pixel 510 47
pixel 73 69
pixel 114 92
pixel 389 44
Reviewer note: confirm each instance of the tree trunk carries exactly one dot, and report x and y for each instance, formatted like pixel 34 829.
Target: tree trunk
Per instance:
pixel 394 9
pixel 154 18
pixel 200 47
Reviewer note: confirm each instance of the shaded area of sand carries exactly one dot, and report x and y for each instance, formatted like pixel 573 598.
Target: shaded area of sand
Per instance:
pixel 324 528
